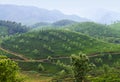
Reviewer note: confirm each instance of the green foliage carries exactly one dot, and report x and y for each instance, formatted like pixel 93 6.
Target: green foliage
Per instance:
pixel 81 66
pixel 11 56
pixel 41 68
pixel 99 31
pixel 9 28
pixel 115 25
pixel 107 74
pixel 98 60
pixel 9 70
pixel 49 68
pixel 44 43
pixel 49 58
pixel 110 57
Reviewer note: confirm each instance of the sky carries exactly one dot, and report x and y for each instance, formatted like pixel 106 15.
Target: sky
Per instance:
pixel 79 7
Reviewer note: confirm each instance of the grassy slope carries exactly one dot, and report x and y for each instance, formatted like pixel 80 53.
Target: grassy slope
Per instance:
pixel 115 26
pixel 95 30
pixel 41 44
pixel 35 77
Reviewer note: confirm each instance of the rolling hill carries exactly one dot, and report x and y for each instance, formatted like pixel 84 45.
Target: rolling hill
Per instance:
pixel 44 43
pixel 57 24
pixel 63 23
pixel 96 30
pixel 115 26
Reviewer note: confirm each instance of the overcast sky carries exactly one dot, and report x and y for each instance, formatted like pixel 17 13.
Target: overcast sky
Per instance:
pixel 79 7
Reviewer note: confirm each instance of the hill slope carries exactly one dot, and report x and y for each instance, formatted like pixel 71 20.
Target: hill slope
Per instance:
pixel 63 23
pixel 44 43
pixel 56 24
pixel 95 30
pixel 115 26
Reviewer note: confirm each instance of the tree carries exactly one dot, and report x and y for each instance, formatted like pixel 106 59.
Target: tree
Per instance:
pixel 98 60
pixel 40 67
pixel 110 57
pixel 50 58
pixel 80 66
pixel 9 70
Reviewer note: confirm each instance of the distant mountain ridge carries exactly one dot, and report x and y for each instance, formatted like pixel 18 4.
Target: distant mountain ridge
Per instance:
pixel 30 14
pixel 105 16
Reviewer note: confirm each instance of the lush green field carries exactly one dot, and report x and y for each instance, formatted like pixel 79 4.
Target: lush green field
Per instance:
pixel 44 43
pixel 92 29
pixel 34 77
pixel 33 66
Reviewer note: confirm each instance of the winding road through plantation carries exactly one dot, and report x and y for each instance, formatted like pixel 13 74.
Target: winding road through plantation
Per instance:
pixel 25 59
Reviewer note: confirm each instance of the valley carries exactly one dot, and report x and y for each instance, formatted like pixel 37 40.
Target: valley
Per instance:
pixel 42 45
pixel 46 47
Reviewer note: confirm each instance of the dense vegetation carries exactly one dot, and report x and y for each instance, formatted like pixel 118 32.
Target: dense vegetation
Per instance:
pixel 109 33
pixel 115 25
pixel 41 44
pixel 9 55
pixel 100 71
pixel 52 42
pixel 9 70
pixel 57 24
pixel 10 28
pixel 63 23
pixel 99 31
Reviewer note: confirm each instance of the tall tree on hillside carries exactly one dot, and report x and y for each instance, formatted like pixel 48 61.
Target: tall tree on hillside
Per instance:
pixel 81 66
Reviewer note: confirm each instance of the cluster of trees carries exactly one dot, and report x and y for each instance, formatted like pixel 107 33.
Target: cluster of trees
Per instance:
pixel 82 70
pixel 13 27
pixel 9 70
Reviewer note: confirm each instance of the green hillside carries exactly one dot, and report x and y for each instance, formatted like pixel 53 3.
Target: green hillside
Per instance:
pixel 55 25
pixel 63 23
pixel 115 26
pixel 3 31
pixel 44 43
pixel 96 30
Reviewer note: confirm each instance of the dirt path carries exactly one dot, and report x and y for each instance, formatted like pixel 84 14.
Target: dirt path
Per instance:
pixel 98 54
pixel 24 59
pixel 15 54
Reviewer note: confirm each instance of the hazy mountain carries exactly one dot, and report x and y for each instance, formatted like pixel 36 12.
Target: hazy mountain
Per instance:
pixel 105 16
pixel 30 15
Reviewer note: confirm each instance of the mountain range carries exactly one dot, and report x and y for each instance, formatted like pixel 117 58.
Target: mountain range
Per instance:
pixel 30 14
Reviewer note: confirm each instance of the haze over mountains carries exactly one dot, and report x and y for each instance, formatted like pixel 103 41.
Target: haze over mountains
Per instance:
pixel 31 15
pixel 105 16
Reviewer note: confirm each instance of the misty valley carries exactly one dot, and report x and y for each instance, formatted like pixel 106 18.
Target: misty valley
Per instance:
pixel 40 45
